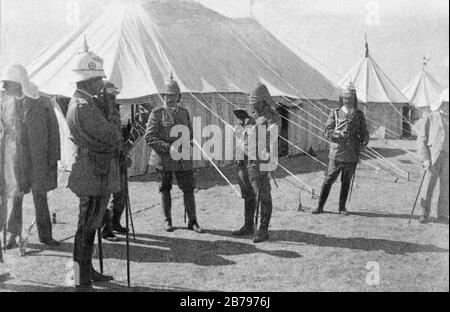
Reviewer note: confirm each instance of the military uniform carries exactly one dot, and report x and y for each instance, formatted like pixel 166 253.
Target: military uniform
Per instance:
pixel 253 181
pixel 348 133
pixel 33 149
pixel 113 214
pixel 95 172
pixel 157 135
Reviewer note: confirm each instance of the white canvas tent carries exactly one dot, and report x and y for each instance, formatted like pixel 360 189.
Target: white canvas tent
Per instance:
pixel 421 91
pixel 384 102
pixel 217 58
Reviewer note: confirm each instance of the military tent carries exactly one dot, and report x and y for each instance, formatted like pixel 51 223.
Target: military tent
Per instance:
pixel 216 60
pixel 386 107
pixel 421 91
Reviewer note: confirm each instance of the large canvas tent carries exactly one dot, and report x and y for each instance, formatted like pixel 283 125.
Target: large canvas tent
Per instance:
pixel 421 91
pixel 215 59
pixel 386 107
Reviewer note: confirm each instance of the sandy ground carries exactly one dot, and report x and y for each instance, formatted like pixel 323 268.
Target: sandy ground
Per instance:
pixel 329 252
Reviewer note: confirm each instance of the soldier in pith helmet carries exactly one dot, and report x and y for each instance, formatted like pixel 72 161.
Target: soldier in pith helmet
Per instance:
pixel 157 136
pixel 95 173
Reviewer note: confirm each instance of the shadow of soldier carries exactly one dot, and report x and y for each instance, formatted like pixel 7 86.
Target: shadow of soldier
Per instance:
pixel 153 248
pixel 358 243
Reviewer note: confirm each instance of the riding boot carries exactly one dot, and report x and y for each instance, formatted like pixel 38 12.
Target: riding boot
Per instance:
pixel 189 204
pixel 325 191
pixel 166 203
pixel 84 282
pixel 249 214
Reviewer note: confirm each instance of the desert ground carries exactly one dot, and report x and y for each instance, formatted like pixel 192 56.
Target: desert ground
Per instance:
pixel 305 252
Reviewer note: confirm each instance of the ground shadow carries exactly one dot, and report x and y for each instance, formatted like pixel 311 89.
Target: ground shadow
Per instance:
pixel 359 243
pixel 100 287
pixel 153 248
pixel 394 216
pixel 389 152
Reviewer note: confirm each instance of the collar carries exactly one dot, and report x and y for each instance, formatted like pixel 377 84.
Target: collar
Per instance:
pixel 20 98
pixel 85 93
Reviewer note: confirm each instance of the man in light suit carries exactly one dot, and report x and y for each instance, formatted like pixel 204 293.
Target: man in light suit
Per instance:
pixel 432 146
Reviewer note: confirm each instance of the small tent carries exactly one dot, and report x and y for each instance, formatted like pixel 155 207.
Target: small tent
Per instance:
pixel 386 108
pixel 421 91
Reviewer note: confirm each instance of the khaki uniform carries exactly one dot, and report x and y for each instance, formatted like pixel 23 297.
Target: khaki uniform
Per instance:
pixel 157 136
pixel 95 172
pixel 255 183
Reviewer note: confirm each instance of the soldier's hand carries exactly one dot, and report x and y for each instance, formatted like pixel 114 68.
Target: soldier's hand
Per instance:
pixel 426 164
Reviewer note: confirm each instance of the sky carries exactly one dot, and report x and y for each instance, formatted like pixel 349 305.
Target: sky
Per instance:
pixel 328 34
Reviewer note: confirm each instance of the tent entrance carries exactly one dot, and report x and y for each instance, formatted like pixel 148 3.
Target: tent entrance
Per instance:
pixel 406 127
pixel 283 148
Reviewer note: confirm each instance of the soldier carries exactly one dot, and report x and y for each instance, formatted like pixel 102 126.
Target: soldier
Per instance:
pixel 157 136
pixel 95 172
pixel 253 180
pixel 32 152
pixel 346 128
pixel 432 146
pixel 114 212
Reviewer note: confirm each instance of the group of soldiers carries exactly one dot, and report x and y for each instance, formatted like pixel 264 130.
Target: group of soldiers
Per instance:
pixel 100 163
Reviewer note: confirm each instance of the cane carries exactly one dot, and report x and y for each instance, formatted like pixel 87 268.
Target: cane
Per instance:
pixel 351 188
pixel 128 203
pixel 127 238
pixel 127 220
pixel 100 250
pixel 417 196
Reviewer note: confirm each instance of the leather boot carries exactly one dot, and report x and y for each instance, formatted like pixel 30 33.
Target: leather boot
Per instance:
pixel 266 214
pixel 189 204
pixel 166 203
pixel 83 282
pixel 98 277
pixel 248 228
pixel 325 191
pixel 107 232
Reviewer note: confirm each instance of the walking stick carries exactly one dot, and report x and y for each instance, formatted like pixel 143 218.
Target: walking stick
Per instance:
pixel 417 196
pixel 127 238
pixel 100 249
pixel 351 188
pixel 128 205
pixel 127 220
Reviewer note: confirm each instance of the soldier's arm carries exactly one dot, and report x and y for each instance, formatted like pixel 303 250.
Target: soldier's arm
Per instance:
pixel 330 126
pixel 422 139
pixel 94 124
pixel 363 132
pixel 152 133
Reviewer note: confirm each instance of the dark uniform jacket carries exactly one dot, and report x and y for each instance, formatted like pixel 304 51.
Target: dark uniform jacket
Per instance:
pixel 38 145
pixel 157 136
pixel 348 133
pixel 95 170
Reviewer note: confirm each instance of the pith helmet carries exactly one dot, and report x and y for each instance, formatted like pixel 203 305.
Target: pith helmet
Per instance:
pixel 350 91
pixel 261 93
pixel 171 87
pixel 87 65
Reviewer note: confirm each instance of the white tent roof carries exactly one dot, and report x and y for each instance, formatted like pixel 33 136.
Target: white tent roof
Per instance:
pixel 372 84
pixel 142 41
pixel 422 90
